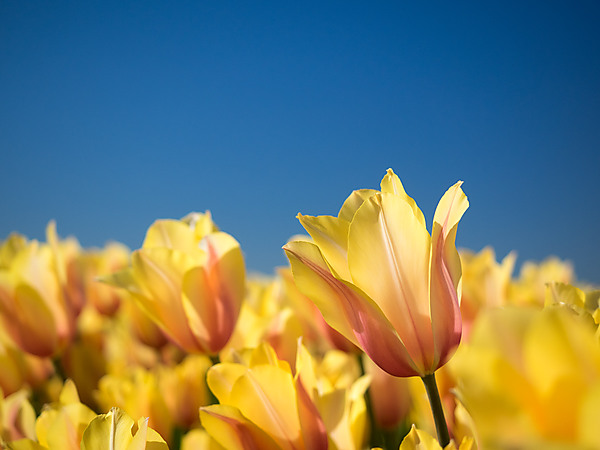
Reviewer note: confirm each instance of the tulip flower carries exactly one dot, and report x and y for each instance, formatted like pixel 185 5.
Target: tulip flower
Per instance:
pixel 34 309
pixel 262 405
pixel 420 440
pixel 61 424
pixel 485 283
pixel 137 392
pixel 382 281
pixel 116 430
pixel 17 417
pixel 534 375
pixel 189 280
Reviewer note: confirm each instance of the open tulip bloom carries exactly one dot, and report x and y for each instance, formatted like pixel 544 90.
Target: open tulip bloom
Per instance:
pixel 382 281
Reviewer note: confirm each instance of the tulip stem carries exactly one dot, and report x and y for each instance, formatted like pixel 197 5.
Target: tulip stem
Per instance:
pixel 436 408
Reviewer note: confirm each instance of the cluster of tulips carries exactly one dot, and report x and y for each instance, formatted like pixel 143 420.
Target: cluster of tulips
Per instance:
pixel 380 334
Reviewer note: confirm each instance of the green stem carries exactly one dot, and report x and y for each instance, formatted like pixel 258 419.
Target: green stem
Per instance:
pixel 436 408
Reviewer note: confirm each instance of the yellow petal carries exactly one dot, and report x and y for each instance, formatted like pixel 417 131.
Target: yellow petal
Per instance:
pixel 117 431
pixel 159 272
pixel 312 278
pixel 445 274
pixel 172 234
pixel 266 396
pixel 110 431
pixel 221 378
pixel 420 440
pixel 331 236
pixel 348 310
pixel 388 257
pixel 213 293
pixel 69 394
pixel 233 431
pixel 26 444
pixel 353 202
pixel 391 184
pixel 28 320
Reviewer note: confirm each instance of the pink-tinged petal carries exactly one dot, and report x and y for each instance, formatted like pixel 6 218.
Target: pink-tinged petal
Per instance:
pixel 348 310
pixel 227 426
pixel 331 235
pixel 388 257
pixel 28 320
pixel 314 433
pixel 159 274
pixel 213 293
pixel 446 274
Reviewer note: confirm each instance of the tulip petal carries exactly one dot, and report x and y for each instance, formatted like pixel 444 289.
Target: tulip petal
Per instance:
pixel 348 310
pixel 213 293
pixel 388 257
pixel 314 433
pixel 391 184
pixel 445 274
pixel 353 202
pixel 159 273
pixel 28 320
pixel 221 378
pixel 173 234
pixel 266 396
pixel 226 425
pixel 115 431
pixel 331 235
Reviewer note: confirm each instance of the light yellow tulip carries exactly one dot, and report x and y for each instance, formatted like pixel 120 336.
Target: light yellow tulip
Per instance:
pixel 262 402
pixel 137 392
pixel 117 431
pixel 190 283
pixel 420 440
pixel 33 306
pixel 530 378
pixel 382 281
pixel 61 424
pixel 17 417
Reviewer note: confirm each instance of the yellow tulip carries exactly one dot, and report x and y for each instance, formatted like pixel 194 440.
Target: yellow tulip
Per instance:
pixel 530 378
pixel 420 440
pixel 20 368
pixel 485 283
pixel 61 424
pixel 112 258
pixel 117 431
pixel 382 281
pixel 530 287
pixel 184 389
pixel 17 417
pixel 34 308
pixel 190 280
pixel 137 392
pixel 198 439
pixel 262 405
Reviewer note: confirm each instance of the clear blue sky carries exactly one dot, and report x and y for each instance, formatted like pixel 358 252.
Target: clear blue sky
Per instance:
pixel 114 114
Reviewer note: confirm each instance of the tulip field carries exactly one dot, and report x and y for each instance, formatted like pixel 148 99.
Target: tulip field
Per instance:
pixel 379 334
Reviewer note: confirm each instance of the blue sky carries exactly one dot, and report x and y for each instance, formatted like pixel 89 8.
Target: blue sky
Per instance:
pixel 114 114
